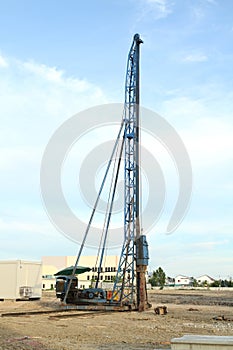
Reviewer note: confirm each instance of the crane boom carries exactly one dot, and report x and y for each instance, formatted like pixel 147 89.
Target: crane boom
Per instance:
pixel 134 255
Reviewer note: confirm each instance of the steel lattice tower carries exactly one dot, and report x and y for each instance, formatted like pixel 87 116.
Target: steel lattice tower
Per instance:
pixel 125 286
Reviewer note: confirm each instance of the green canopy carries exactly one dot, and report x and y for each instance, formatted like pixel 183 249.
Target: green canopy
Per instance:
pixel 69 270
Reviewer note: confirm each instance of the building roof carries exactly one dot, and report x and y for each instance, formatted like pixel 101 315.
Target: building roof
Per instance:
pixel 182 276
pixel 205 276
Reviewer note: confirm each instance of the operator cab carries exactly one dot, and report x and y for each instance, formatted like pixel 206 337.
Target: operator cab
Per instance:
pixel 62 283
pixel 76 295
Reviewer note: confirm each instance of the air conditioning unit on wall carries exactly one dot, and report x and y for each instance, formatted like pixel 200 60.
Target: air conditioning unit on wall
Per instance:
pixel 25 292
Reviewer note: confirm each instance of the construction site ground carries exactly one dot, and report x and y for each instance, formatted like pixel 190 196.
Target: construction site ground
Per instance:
pixel 201 312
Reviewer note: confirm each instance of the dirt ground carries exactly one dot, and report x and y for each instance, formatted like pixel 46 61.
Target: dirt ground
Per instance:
pixel 189 312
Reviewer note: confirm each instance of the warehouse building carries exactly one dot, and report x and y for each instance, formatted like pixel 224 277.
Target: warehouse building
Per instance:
pixel 52 264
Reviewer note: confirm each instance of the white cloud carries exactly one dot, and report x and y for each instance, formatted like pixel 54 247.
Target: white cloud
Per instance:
pixel 209 244
pixel 214 2
pixel 12 158
pixel 215 228
pixel 35 100
pixel 198 13
pixel 199 10
pixel 45 72
pixel 205 126
pixel 155 8
pixel 25 226
pixel 163 7
pixel 205 129
pixel 192 252
pixel 3 62
pixel 195 57
pixel 58 77
pixel 35 95
pixel 210 141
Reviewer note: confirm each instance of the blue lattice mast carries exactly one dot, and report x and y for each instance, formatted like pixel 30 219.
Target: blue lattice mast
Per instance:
pixel 130 284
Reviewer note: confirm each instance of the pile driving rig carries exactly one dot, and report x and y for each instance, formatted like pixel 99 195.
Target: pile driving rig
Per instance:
pixel 129 291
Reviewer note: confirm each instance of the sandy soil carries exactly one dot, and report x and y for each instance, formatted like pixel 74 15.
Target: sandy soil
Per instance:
pixel 189 312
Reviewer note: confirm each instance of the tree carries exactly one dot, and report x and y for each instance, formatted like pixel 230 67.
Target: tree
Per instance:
pixel 215 283
pixel 158 278
pixel 195 283
pixel 204 284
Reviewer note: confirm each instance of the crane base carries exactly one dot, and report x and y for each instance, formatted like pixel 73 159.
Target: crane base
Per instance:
pixel 102 307
pixel 99 307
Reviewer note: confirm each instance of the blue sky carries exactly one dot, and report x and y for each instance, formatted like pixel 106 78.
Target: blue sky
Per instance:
pixel 58 58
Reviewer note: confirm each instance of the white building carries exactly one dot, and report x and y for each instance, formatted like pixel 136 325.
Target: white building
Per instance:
pixel 52 264
pixel 205 279
pixel 20 279
pixel 181 280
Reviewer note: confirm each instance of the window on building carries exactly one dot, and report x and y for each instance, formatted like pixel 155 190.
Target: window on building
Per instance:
pixel 43 286
pixel 88 278
pixel 101 277
pixel 47 276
